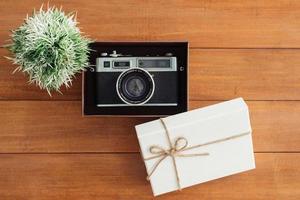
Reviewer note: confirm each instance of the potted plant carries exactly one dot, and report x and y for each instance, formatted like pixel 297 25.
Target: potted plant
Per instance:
pixel 50 48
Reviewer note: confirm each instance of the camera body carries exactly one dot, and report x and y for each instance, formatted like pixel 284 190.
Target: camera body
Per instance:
pixel 136 81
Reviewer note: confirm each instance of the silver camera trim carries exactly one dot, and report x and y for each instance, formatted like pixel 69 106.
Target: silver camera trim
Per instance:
pixel 133 64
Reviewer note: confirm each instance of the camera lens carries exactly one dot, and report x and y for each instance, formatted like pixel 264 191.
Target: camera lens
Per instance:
pixel 135 86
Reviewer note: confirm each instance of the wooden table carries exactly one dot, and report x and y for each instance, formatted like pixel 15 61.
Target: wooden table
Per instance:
pixel 247 48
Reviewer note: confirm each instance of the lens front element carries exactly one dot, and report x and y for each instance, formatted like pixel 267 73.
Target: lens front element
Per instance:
pixel 135 86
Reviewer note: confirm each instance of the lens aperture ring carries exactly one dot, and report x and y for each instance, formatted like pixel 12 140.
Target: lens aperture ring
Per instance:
pixel 135 86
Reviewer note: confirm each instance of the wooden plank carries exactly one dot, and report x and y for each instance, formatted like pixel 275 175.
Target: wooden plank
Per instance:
pixel 45 126
pixel 253 74
pixel 122 176
pixel 267 24
pixel 215 74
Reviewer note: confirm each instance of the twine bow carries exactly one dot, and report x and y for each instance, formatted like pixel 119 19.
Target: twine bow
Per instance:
pixel 175 150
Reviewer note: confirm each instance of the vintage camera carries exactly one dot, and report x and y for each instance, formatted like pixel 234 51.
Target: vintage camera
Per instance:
pixel 124 80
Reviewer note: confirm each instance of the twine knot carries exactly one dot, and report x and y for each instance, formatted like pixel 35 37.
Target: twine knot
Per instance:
pixel 179 145
pixel 175 150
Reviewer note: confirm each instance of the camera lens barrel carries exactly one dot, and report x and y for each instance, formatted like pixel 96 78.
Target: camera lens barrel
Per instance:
pixel 135 86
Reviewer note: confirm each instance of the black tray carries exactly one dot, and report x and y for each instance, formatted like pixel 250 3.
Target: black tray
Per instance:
pixel 179 49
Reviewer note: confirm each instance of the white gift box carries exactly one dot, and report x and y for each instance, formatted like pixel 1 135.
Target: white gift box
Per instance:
pixel 197 146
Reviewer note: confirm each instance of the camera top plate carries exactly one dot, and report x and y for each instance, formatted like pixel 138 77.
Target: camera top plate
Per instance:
pixel 108 64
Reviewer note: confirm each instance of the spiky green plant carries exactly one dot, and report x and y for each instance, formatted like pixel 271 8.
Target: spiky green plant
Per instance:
pixel 49 47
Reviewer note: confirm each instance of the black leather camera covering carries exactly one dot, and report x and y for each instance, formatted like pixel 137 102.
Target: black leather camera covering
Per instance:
pixel 178 49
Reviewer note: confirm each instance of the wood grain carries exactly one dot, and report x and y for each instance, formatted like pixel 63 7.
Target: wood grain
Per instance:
pixel 215 74
pixel 45 126
pixel 207 23
pixel 245 48
pixel 253 74
pixel 122 176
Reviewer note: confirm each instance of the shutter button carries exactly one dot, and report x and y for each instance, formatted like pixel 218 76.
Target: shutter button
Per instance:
pixel 115 54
